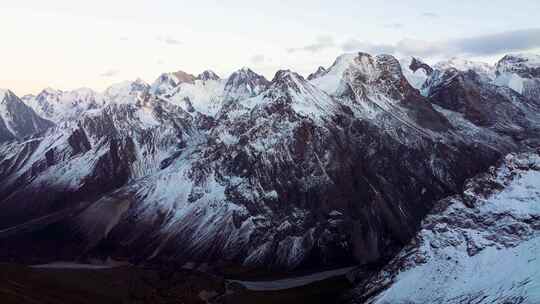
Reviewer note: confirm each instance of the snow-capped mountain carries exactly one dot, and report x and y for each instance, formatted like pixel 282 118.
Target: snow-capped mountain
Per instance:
pixel 58 106
pixel 208 75
pixel 479 247
pixel 17 120
pixel 484 70
pixel 484 104
pixel 287 173
pixel 128 92
pixel 244 83
pixel 320 72
pixel 521 73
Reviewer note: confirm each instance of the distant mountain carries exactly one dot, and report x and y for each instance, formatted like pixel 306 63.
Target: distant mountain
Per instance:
pixel 57 106
pixel 521 73
pixel 17 120
pixel 484 70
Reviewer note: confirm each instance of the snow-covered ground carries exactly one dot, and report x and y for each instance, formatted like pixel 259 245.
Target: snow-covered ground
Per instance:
pixel 485 253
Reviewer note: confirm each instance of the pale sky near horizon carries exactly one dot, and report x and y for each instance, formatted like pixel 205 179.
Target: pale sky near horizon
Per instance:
pixel 67 44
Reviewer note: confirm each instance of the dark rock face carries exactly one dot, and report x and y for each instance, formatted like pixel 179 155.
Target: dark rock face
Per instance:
pixel 417 64
pixel 484 104
pixel 17 120
pixel 285 175
pixel 208 75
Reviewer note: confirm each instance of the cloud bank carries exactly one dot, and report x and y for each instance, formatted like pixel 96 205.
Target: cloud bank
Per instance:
pixel 482 45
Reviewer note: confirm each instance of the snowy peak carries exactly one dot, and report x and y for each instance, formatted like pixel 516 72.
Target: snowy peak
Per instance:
pixel 520 72
pixel 365 74
pixel 369 68
pixel 166 82
pixel 525 65
pixel 208 75
pixel 320 72
pixel 3 94
pixel 48 91
pixel 287 79
pixel 486 71
pixel 382 74
pixel 330 81
pixel 244 83
pixel 17 120
pixel 293 91
pixel 57 105
pixel 6 95
pixel 126 92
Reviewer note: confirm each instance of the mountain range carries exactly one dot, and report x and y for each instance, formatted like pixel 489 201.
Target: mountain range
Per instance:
pixel 409 171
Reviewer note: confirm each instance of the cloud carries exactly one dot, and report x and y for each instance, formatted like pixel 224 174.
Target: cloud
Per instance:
pixel 259 58
pixel 322 43
pixel 430 15
pixel 394 26
pixel 483 45
pixel 501 42
pixel 168 40
pixel 109 73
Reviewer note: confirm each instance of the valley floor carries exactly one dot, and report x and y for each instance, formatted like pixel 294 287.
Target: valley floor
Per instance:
pixel 83 283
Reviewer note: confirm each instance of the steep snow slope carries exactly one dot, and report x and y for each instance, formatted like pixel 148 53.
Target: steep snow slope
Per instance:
pixel 330 81
pixel 482 247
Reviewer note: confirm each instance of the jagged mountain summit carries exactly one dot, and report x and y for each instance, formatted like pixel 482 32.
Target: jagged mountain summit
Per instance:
pixel 339 168
pixel 17 120
pixel 521 73
pixel 484 70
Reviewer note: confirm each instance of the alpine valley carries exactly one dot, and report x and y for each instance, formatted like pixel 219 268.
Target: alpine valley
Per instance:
pixel 424 178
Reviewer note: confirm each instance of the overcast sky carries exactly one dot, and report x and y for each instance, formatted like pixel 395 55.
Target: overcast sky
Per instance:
pixel 68 44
